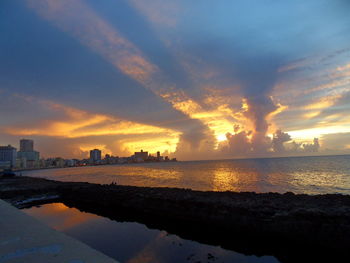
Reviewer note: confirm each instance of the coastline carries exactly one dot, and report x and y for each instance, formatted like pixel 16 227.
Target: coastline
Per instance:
pixel 287 226
pixel 19 170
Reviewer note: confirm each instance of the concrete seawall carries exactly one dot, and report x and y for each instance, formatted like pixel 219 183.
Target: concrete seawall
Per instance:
pixel 25 239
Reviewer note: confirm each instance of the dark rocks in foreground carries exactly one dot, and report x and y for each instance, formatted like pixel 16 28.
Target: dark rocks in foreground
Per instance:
pixel 294 228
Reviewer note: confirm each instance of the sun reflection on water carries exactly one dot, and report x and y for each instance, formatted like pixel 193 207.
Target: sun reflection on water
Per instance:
pixel 310 175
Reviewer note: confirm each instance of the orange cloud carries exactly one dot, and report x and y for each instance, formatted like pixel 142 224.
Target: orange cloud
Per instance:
pixel 99 36
pixel 323 103
pixel 72 123
pixel 81 123
pixel 218 119
pixel 345 67
pixel 69 217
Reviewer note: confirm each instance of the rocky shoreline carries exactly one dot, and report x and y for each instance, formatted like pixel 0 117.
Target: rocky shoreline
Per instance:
pixel 294 228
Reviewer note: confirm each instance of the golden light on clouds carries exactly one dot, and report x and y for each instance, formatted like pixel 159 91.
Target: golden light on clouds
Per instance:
pixel 72 123
pixel 221 137
pixel 311 133
pixel 323 103
pixel 345 67
pixel 218 119
pixel 97 34
pixel 82 127
pixel 311 114
pixel 152 144
pixel 217 116
pixel 69 217
pixel 105 149
pixel 280 108
pixel 202 99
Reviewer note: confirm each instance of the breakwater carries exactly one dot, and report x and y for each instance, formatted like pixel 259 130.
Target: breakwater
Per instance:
pixel 288 226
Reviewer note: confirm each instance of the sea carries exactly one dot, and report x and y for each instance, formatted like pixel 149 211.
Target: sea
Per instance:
pixel 133 242
pixel 308 175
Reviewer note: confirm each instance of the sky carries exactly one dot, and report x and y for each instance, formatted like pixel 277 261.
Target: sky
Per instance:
pixel 192 79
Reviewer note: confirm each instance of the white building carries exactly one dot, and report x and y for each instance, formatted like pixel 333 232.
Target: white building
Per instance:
pixel 8 156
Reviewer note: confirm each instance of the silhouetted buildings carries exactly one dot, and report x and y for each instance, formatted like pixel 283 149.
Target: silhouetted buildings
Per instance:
pixel 25 158
pixel 8 156
pixel 95 156
pixel 28 158
pixel 26 145
pixel 141 156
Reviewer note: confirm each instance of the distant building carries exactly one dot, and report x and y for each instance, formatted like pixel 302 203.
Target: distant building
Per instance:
pixel 70 162
pixel 59 162
pixel 28 157
pixel 95 155
pixel 141 155
pixel 8 156
pixel 26 145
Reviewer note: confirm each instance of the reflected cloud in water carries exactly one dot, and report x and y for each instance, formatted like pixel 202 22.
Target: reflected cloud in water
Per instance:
pixel 133 242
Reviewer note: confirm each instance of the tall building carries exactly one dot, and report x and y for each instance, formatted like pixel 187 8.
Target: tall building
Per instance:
pixel 26 145
pixel 95 155
pixel 28 157
pixel 8 155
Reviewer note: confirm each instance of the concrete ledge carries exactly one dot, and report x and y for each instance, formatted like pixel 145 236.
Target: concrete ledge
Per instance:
pixel 25 239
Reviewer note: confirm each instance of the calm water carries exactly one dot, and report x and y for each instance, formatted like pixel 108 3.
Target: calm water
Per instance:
pixel 133 242
pixel 312 175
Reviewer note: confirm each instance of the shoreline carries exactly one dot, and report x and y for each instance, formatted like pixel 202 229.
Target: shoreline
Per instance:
pixel 182 161
pixel 80 166
pixel 291 227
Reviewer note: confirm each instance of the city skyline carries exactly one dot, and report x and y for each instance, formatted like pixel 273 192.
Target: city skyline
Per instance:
pixel 26 158
pixel 192 81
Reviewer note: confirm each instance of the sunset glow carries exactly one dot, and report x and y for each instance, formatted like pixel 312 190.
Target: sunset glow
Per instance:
pixel 129 75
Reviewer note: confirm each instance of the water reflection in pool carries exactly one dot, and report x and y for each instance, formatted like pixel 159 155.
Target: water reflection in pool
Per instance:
pixel 133 242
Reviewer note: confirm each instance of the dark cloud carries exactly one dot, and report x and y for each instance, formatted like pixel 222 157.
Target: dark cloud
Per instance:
pixel 234 48
pixel 244 144
pixel 278 140
pixel 312 147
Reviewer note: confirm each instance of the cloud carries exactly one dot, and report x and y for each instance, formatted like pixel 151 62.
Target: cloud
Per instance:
pixel 237 143
pixel 163 12
pixel 264 68
pixel 75 123
pixel 98 35
pixel 337 143
pixel 81 130
pixel 77 19
pixel 312 147
pixel 278 140
pixel 253 75
pixel 244 144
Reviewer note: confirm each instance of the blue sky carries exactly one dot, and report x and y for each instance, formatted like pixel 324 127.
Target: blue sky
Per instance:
pixel 176 76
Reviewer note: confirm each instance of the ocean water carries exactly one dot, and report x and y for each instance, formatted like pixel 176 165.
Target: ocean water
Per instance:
pixel 130 242
pixel 310 175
